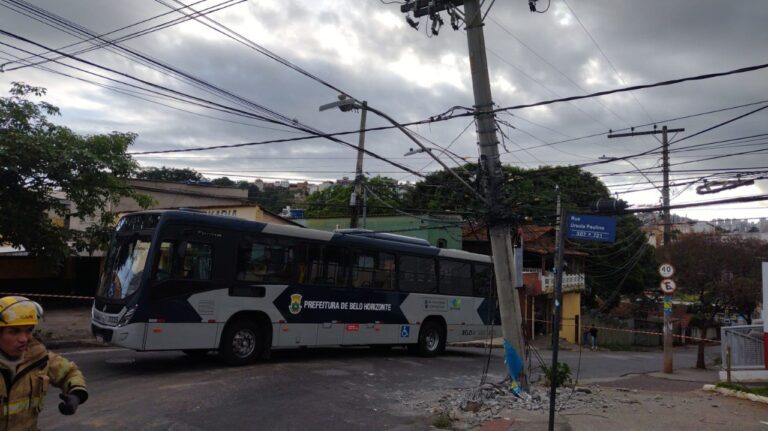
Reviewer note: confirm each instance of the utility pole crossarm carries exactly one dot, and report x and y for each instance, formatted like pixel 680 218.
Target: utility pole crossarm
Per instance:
pixel 649 132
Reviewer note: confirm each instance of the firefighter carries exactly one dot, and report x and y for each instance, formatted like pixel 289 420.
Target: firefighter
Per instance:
pixel 28 368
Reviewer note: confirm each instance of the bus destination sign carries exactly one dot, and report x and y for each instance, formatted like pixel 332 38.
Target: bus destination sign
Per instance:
pixel 591 228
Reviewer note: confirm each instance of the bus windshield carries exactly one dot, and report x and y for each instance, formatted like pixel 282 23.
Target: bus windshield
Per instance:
pixel 124 267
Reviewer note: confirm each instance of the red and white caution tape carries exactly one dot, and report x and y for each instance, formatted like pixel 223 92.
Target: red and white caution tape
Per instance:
pixel 635 331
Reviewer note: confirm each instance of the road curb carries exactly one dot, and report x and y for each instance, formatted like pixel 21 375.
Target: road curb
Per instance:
pixel 737 394
pixel 70 344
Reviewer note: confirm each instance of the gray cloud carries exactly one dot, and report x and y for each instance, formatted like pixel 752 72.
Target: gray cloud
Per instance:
pixel 365 49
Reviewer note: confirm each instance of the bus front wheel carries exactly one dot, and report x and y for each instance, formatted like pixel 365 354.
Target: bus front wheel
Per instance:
pixel 242 342
pixel 431 339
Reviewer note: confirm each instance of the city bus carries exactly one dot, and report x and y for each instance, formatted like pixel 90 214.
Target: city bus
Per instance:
pixel 184 280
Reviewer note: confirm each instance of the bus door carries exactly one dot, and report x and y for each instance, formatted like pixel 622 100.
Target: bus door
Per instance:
pixel 188 264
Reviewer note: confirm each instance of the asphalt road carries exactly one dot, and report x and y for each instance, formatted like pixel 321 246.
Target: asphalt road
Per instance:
pixel 309 389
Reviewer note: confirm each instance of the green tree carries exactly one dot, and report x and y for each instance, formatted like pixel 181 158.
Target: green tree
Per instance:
pixel 176 175
pixel 625 267
pixel 382 197
pixel 272 198
pixel 722 272
pixel 44 166
pixel 223 182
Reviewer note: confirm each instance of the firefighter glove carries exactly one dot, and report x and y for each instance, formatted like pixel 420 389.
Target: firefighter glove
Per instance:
pixel 69 404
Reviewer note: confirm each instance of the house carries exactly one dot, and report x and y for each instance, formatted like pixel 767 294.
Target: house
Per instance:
pixel 20 272
pixel 537 293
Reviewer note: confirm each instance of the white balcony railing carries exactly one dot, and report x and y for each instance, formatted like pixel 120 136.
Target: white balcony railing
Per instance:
pixel 571 282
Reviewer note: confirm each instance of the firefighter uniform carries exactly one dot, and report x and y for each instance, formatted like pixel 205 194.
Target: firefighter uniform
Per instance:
pixel 26 379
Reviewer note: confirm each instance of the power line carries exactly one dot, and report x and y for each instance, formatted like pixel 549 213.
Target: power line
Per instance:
pixel 216 26
pixel 610 63
pixel 294 124
pixel 123 38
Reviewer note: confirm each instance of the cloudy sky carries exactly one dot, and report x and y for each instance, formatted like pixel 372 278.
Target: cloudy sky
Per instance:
pixel 366 49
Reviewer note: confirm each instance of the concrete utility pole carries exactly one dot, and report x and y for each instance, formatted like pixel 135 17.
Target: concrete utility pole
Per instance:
pixel 667 227
pixel 358 203
pixel 667 239
pixel 499 224
pixel 560 250
pixel 355 200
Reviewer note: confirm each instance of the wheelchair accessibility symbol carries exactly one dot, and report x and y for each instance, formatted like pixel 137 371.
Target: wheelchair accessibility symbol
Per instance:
pixel 405 331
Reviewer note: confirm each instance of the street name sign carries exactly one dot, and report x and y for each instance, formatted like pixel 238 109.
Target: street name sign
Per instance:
pixel 591 228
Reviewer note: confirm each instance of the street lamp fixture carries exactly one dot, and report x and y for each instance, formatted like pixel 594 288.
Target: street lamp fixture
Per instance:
pixel 347 104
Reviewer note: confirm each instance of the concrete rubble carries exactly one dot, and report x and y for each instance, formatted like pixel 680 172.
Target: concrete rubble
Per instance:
pixel 472 407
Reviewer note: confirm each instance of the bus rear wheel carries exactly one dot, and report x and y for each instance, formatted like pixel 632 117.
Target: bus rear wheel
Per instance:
pixel 431 339
pixel 242 343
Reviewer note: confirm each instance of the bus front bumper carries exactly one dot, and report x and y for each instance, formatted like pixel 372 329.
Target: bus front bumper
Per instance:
pixel 130 336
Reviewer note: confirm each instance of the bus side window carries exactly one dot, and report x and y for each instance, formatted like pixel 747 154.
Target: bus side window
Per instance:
pixel 196 264
pixel 363 267
pixel 384 278
pixel 455 278
pixel 336 266
pixel 326 265
pixel 164 261
pixel 483 279
pixel 417 274
pixel 265 261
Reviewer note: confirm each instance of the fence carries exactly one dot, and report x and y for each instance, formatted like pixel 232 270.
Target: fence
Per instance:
pixel 607 336
pixel 746 344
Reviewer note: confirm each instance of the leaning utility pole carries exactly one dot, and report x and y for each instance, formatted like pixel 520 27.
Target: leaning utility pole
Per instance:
pixel 667 226
pixel 499 225
pixel 499 219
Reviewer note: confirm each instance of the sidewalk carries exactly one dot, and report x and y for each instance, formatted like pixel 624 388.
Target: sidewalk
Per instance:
pixel 66 327
pixel 540 343
pixel 630 405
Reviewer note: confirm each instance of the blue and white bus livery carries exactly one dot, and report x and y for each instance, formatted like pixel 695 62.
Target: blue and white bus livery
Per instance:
pixel 180 280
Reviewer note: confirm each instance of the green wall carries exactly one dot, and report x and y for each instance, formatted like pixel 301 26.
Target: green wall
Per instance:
pixel 426 227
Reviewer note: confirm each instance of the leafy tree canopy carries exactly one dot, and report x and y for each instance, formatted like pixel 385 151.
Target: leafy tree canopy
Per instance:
pixel 272 198
pixel 43 165
pixel 530 193
pixel 626 267
pixel 722 272
pixel 176 175
pixel 382 197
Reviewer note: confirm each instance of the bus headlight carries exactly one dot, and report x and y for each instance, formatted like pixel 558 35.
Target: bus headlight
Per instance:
pixel 126 319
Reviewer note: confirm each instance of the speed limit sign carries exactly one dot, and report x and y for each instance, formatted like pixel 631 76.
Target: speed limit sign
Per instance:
pixel 668 286
pixel 666 270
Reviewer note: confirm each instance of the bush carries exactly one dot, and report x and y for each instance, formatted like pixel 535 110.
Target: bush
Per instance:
pixel 442 421
pixel 563 374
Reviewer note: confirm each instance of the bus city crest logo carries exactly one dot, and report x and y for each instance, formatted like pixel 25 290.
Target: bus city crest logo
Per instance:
pixel 295 307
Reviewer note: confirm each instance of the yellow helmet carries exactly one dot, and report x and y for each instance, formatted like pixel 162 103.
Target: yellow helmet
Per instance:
pixel 19 311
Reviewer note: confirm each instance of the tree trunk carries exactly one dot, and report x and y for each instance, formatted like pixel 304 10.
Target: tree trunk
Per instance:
pixel 700 362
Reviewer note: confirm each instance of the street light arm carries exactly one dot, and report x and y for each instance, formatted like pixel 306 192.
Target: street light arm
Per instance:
pixel 426 150
pixel 451 155
pixel 640 171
